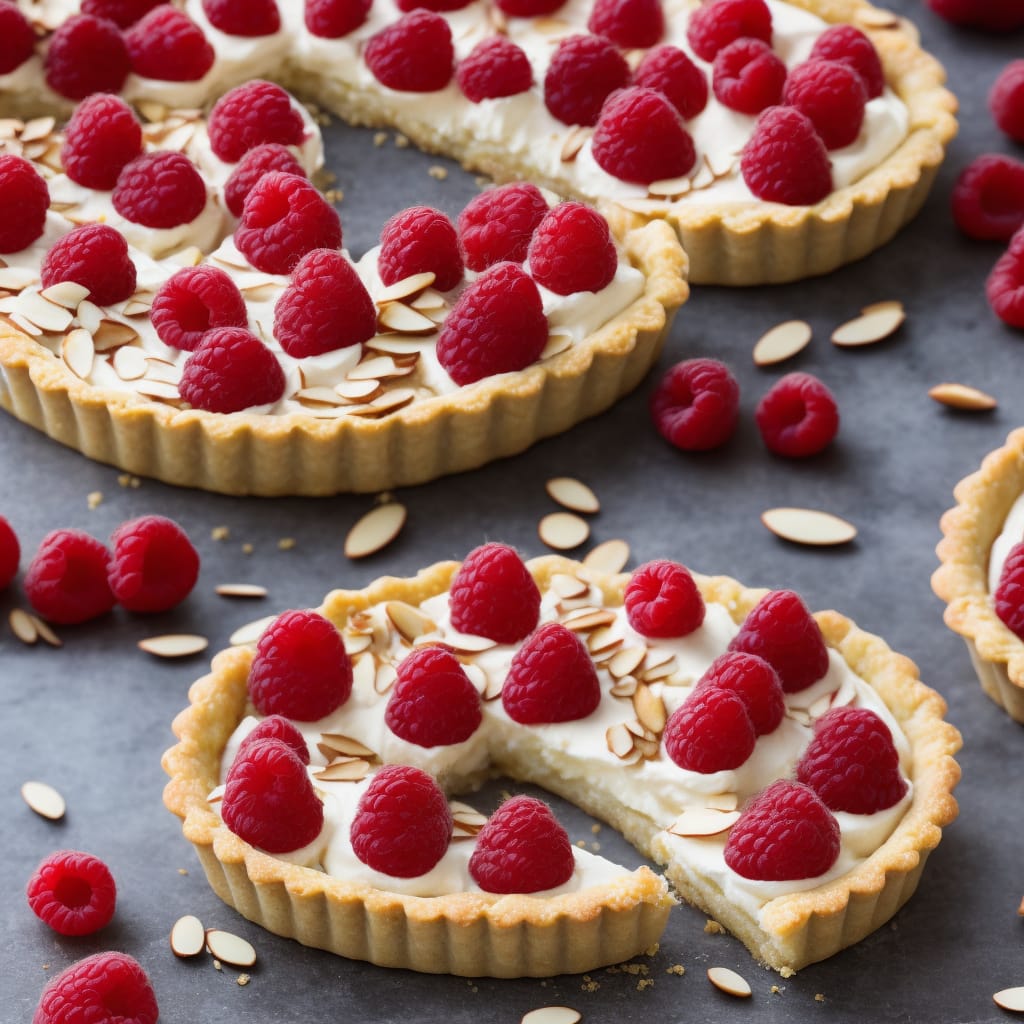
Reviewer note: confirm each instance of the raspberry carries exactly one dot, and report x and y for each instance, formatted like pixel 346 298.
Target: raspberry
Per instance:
pixel 433 703
pixel 662 600
pixel 66 581
pixel 849 45
pixel 529 8
pixel 496 326
pixel 193 301
pixel 153 565
pixel 696 405
pixel 260 160
pixel 715 25
pixel 584 71
pixel 231 370
pixel 1005 285
pixel 300 669
pixel 989 15
pixel 277 727
pixel 160 190
pixel 243 17
pixel 784 834
pixel 494 595
pixel 402 824
pixel 851 762
pixel 493 69
pixel 551 679
pixel 1009 595
pixel 432 5
pixel 420 240
pixel 72 892
pixel 415 54
pixel 780 629
pixel 269 800
pixel 785 161
pixel 168 45
pixel 710 731
pixel 640 137
pixel 250 115
pixel 332 19
pixel 283 219
pixel 572 251
pixel 102 987
pixel 988 198
pixel 86 55
pixel 10 553
pixel 17 39
pixel 669 71
pixel 522 849
pixel 755 682
pixel 631 24
pixel 123 13
pixel 798 416
pixel 747 76
pixel 832 95
pixel 24 200
pixel 96 257
pixel 1006 100
pixel 102 136
pixel 326 307
pixel 498 224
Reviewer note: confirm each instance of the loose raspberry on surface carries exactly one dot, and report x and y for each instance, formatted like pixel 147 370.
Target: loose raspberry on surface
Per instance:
pixel 496 326
pixel 86 55
pixel 66 581
pixel 277 727
pixel 497 225
pixel 696 405
pixel 572 250
pixel 785 161
pixel 332 19
pixel 710 731
pixel 102 136
pixel 631 24
pixel 10 553
pixel 417 241
pixel 747 76
pixel 522 849
pixel 832 95
pixel 529 8
pixel 17 38
pixel 250 115
pixel 301 669
pixel 73 892
pixel 662 600
pixel 269 800
pixel 415 54
pixel 96 257
pixel 123 13
pixel 584 71
pixel 1006 100
pixel 849 45
pixel 988 198
pixel 260 160
pixel 160 190
pixel 169 46
pixel 102 987
pixel 1005 285
pixel 1009 595
pixel 247 18
pixel 715 25
pixel 988 15
pixel 229 371
pixel 326 307
pixel 494 68
pixel 798 417
pixel 780 629
pixel 24 200
pixel 194 301
pixel 668 70
pixel 494 595
pixel 402 824
pixel 784 834
pixel 153 565
pixel 754 681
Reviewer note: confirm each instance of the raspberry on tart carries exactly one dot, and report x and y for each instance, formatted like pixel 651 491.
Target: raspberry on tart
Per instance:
pixel 169 46
pixel 668 70
pixel 420 240
pixel 10 553
pixel 86 55
pixel 584 71
pixel 798 416
pixel 96 257
pixel 1006 100
pixel 24 199
pixel 160 190
pixel 494 68
pixel 332 19
pixel 1008 599
pixel 123 13
pixel 832 95
pixel 1005 285
pixel 17 39
pixel 631 24
pixel 243 17
pixel 572 250
pixel 277 727
pixel 848 45
pixel 66 581
pixel 747 76
pixel 250 115
pixel 493 595
pixel 102 137
pixel 662 600
pixel 260 160
pixel 415 54
pixel 231 370
pixel 755 682
pixel 153 565
pixel 73 892
pixel 715 25
pixel 696 405
pixel 711 731
pixel 988 198
pixel 498 224
pixel 103 986
pixel 785 160
pixel 529 8
pixel 193 301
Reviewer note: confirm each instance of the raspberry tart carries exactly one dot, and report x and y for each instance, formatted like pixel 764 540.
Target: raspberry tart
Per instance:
pixel 711 724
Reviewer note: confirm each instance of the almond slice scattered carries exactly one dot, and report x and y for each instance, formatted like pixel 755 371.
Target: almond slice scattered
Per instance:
pixel 625 687
pixel 698 822
pixel 1010 999
pixel 650 709
pixel 610 557
pixel 466 643
pixel 22 626
pixel 65 293
pixel 397 316
pixel 240 590
pixel 620 740
pixel 46 634
pixel 568 586
pixel 574 141
pixel 345 770
pixel 229 948
pixel 78 352
pixel 729 982
pixel 44 800
pixel 782 342
pixel 410 622
pixel 885 305
pixel 808 526
pixel 563 531
pixel 589 620
pixel 250 632
pixel 869 328
pixel 348 746
pixel 188 937
pixel 174 645
pixel 962 396
pixel 378 528
pixel 384 678
pixel 552 1015
pixel 572 494
pixel 626 661
pixel 130 363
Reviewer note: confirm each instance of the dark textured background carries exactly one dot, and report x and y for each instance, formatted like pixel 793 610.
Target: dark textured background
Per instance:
pixel 94 717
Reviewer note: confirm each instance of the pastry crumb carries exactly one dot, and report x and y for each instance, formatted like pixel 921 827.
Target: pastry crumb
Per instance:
pixel 589 985
pixel 334 195
pixel 217 966
pixel 595 828
pixel 634 969
pixel 94 499
pixel 775 990
pixel 379 138
pixel 713 928
pixel 286 543
pixel 128 480
pixel 182 871
pixel 653 950
pixel 787 972
pixel 401 142
pixel 596 847
pixel 644 983
pixel 220 533
pixel 243 979
pixel 677 969
pixel 247 549
pixel 437 172
pixel 819 997
pixel 581 843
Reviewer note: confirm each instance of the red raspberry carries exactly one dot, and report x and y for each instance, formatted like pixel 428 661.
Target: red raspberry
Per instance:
pixel 1005 285
pixel 326 307
pixel 432 5
pixel 154 565
pixel 301 668
pixel 66 581
pixel 784 834
pixel 160 190
pixel 402 824
pixel 631 24
pixel 86 55
pixel 852 763
pixel 572 251
pixel 283 219
pixel 193 301
pixel 662 600
pixel 251 114
pixel 332 19
pixel 433 703
pixel 269 801
pixel 584 71
pixel 848 45
pixel 123 13
pixel 640 137
pixel 798 416
pixel 755 682
pixel 529 8
pixel 498 224
pixel 715 25
pixel 988 198
pixel 522 849
pixel 710 731
pixel 1009 595
pixel 696 405
pixel 169 46
pixel 494 68
pixel 415 54
pixel 260 160
pixel 417 241
pixel 1006 100
pixel 496 326
pixel 780 629
pixel 17 39
pixel 102 987
pixel 102 136
pixel 231 370
pixel 277 727
pixel 247 18
pixel 551 679
pixel 494 595
pixel 832 95
pixel 669 71
pixel 24 200
pixel 785 161
pixel 96 257
pixel 747 76
pixel 73 892
pixel 10 553
pixel 989 15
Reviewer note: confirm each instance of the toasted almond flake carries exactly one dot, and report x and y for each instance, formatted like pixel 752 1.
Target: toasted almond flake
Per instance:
pixel 66 293
pixel 592 620
pixel 47 316
pixel 808 526
pixel 626 661
pixel 37 128
pixel 157 389
pixel 374 531
pixel 110 334
pixel 151 110
pixel 357 390
pixel 377 367
pixel 130 363
pixel 240 590
pixel 866 330
pixel 44 800
pixel 572 494
pixel 729 982
pixel 722 802
pixel 552 1015
pixel 16 278
pixel 625 687
pixel 384 678
pixel 466 643
pixel 620 740
pixel 392 401
pixel 397 345
pixel 90 317
pixel 250 632
pixel 557 344
pixel 406 288
pixel 654 673
pixel 319 395
pixel 136 307
pixel 698 822
pixel 610 557
pixel 962 396
pixel 188 937
pixel 397 316
pixel 347 745
pixel 429 300
pixel 799 715
pixel 344 769
pixel 174 645
pixel 568 586
pixel 884 305
pixel 356 643
pixel 229 948
pixel 650 709
pixel 1010 999
pixel 603 642
pixel 364 670
pixel 563 531
pixel 22 626
pixel 782 342
pixel 46 634
pixel 574 141
pixel 669 188
pixel 26 325
pixel 77 352
pixel 493 688
pixel 408 620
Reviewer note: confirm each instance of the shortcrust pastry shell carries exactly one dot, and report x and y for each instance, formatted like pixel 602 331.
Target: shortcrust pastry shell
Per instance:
pixel 510 936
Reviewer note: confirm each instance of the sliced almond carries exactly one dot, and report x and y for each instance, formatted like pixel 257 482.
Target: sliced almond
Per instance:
pixel 46 634
pixel 250 632
pixel 610 557
pixel 626 661
pixel 625 687
pixel 406 288
pixel 884 305
pixel 66 293
pixel 669 188
pixel 364 671
pixel 174 645
pixel 962 396
pixel 22 626
pixel 1010 999
pixel 573 142
pixel 397 345
pixel 782 342
pixel 78 353
pixel 397 316
pixel 157 389
pixel 466 643
pixel 229 948
pixel 14 279
pixel 655 673
pixel 870 328
pixel 563 531
pixel 552 1015
pixel 467 818
pixel 428 301
pixel 820 706
pixel 347 745
pixel 408 620
pixel 392 401
pixel 572 494
pixel 188 937
pixel 357 643
pixel 44 800
pixel 568 586
pixel 620 740
pixel 378 367
pixel 729 982
pixel 808 526
pixel 384 678
pixel 650 709
pixel 344 770
pixel 357 390
pixel 722 802
pixel 130 363
pixel 378 528
pixel 603 642
pixel 240 590
pixel 110 334
pixel 558 343
pixel 493 689
pixel 47 316
pixel 319 396
pixel 588 621
pixel 697 822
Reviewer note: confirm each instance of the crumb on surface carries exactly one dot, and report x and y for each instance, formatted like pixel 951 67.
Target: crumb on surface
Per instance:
pixel 220 533
pixel 243 979
pixel 334 195
pixel 437 172
pixel 819 997
pixel 247 549
pixel 286 543
pixel 182 871
pixel 129 480
pixel 630 968
pixel 775 990
pixel 379 138
pixel 677 969
pixel 595 847
pixel 787 972
pixel 94 499
pixel 644 983
pixel 653 950
pixel 595 828
pixel 713 928
pixel 217 966
pixel 589 985
pixel 581 843
pixel 401 142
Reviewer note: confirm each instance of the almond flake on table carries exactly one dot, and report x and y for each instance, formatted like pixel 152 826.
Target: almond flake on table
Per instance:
pixel 563 531
pixel 375 530
pixel 963 397
pixel 729 981
pixel 808 526
pixel 229 948
pixel 188 937
pixel 552 1015
pixel 572 494
pixel 240 590
pixel 782 342
pixel 869 328
pixel 174 645
pixel 610 557
pixel 44 800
